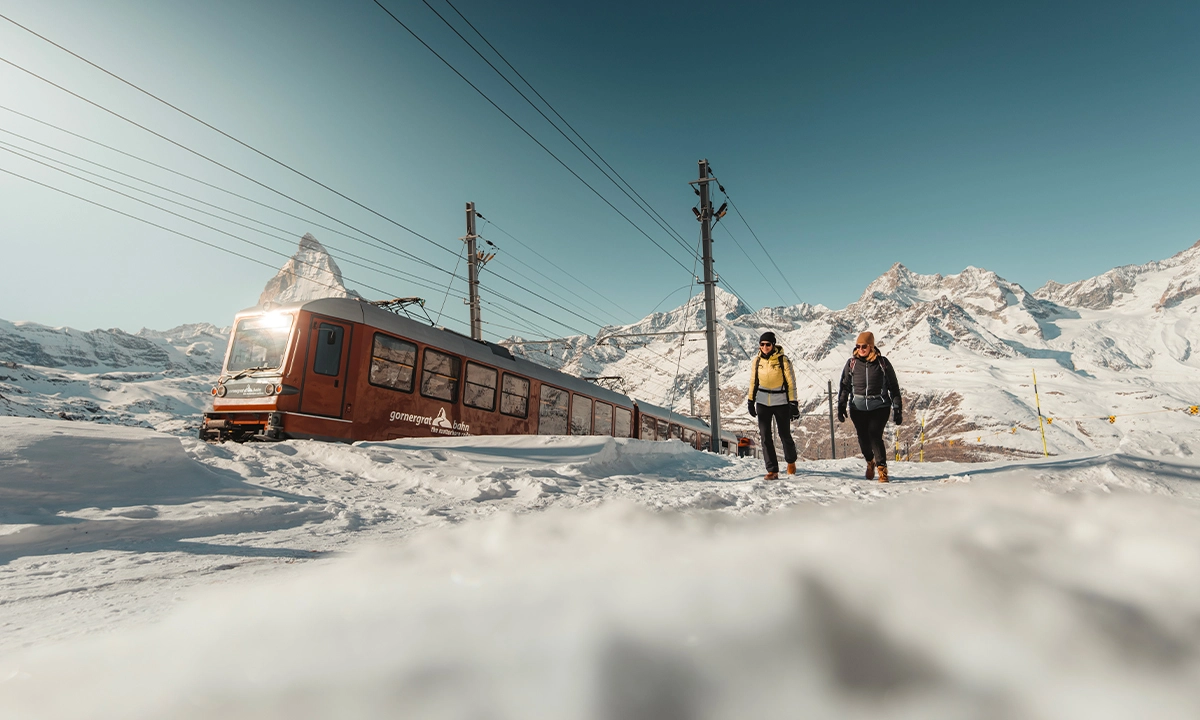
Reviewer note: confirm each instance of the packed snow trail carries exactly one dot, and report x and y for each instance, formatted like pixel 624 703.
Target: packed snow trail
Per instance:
pixel 586 578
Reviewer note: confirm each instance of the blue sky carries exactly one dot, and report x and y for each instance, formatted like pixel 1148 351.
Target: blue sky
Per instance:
pixel 1039 141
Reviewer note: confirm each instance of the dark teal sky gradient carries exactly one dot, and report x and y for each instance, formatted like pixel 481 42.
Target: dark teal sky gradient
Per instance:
pixel 1039 141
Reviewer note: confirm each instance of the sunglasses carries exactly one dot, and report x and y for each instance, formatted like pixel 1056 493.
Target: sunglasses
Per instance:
pixel 862 347
pixel 767 344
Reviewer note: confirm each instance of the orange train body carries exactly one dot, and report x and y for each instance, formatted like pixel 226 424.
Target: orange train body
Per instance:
pixel 344 370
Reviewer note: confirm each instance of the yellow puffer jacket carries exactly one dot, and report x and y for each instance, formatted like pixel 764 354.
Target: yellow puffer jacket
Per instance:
pixel 770 377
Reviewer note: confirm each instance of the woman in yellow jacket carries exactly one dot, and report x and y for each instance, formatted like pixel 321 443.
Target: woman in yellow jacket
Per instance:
pixel 773 395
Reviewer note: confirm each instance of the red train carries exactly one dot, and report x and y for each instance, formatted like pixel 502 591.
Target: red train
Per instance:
pixel 346 370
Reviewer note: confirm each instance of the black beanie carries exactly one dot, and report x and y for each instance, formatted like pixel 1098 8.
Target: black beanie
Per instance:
pixel 768 336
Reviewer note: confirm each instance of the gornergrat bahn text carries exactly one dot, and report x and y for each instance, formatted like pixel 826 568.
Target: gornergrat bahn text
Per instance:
pixel 345 370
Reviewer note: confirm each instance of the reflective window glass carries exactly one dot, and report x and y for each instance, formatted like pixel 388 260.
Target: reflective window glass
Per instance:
pixel 439 375
pixel 392 363
pixel 622 422
pixel 480 389
pixel 328 359
pixel 552 411
pixel 514 396
pixel 604 417
pixel 581 415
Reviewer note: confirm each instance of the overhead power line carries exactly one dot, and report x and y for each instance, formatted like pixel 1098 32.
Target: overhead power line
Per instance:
pixel 639 202
pixel 733 205
pixel 185 235
pixel 288 235
pixel 215 129
pixel 528 134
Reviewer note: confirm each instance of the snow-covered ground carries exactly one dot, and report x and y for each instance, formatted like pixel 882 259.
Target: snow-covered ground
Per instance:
pixel 147 576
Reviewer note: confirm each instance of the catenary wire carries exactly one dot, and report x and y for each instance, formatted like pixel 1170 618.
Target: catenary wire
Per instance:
pixel 557 267
pixel 183 234
pixel 209 159
pixel 399 251
pixel 558 115
pixel 733 205
pixel 661 224
pixel 223 133
pixel 289 236
pixel 529 134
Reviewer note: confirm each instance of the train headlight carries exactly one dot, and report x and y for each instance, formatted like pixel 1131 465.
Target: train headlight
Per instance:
pixel 221 391
pixel 270 389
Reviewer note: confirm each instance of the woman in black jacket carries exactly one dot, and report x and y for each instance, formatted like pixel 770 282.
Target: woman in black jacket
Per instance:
pixel 870 388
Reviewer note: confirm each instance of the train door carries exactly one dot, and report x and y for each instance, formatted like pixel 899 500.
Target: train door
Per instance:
pixel 325 369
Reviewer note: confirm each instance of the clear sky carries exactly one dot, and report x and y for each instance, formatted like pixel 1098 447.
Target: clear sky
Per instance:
pixel 1039 140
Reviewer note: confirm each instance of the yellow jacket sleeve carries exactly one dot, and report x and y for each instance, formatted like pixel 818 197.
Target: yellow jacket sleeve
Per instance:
pixel 791 378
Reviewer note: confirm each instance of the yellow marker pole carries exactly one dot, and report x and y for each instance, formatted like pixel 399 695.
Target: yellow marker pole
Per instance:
pixel 896 441
pixel 922 437
pixel 1041 427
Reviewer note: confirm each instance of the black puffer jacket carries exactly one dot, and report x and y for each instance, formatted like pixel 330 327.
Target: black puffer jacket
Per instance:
pixel 871 383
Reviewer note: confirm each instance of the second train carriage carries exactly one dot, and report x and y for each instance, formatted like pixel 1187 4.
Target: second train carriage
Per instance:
pixel 343 369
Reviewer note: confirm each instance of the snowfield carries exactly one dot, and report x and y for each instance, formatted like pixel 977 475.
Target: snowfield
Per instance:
pixel 147 576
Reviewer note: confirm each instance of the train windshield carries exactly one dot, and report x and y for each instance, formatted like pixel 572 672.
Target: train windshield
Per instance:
pixel 259 343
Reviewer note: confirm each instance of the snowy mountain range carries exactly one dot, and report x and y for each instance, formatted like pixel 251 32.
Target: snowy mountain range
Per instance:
pixel 965 347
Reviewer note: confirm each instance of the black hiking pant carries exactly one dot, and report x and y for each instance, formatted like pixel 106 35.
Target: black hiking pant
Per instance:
pixel 869 426
pixel 783 419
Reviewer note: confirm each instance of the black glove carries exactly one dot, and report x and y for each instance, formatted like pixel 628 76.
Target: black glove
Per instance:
pixel 751 409
pixel 795 405
pixel 841 413
pixel 896 415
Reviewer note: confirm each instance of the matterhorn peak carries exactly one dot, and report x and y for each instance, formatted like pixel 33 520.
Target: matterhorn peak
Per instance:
pixel 309 274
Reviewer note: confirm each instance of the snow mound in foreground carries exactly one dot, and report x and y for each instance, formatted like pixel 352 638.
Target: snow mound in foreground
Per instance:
pixel 638 457
pixel 989 598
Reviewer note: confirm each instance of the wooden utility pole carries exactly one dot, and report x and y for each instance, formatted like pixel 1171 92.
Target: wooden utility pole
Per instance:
pixel 705 215
pixel 473 274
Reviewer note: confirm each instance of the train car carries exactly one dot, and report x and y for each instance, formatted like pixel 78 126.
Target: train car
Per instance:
pixel 346 370
pixel 657 423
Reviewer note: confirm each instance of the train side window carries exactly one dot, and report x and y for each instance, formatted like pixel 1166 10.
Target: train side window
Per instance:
pixel 514 396
pixel 581 415
pixel 328 359
pixel 392 363
pixel 439 375
pixel 705 442
pixel 480 390
pixel 689 437
pixel 622 422
pixel 674 431
pixel 648 425
pixel 662 430
pixel 552 413
pixel 603 421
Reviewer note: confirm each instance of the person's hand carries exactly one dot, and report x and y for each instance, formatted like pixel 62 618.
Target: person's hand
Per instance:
pixel 896 415
pixel 841 413
pixel 795 405
pixel 751 409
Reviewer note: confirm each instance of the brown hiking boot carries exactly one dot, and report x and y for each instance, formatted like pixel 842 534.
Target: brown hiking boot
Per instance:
pixel 791 468
pixel 772 476
pixel 883 476
pixel 871 470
